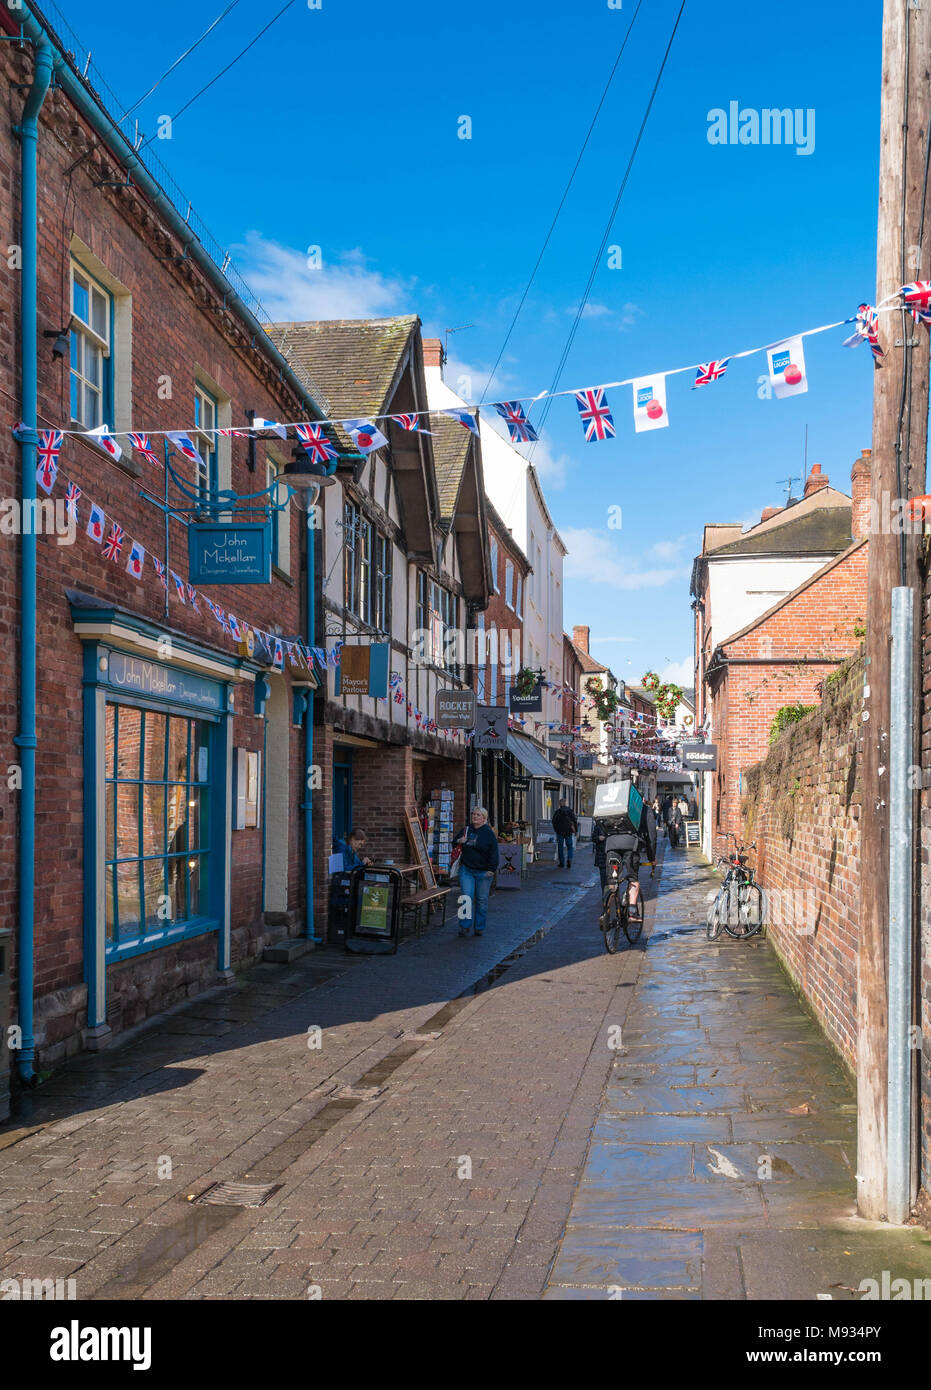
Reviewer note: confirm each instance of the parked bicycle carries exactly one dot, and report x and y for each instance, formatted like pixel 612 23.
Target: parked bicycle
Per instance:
pixel 616 915
pixel 738 908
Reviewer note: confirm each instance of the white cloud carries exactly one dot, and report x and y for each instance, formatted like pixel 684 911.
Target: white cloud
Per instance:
pixel 680 672
pixel 668 550
pixel 292 289
pixel 550 467
pixel 593 556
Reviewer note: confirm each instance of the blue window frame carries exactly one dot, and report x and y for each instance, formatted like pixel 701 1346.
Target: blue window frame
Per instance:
pixel 91 346
pixel 207 479
pixel 158 824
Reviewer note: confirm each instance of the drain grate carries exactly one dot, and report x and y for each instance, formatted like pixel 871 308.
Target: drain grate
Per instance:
pixel 238 1194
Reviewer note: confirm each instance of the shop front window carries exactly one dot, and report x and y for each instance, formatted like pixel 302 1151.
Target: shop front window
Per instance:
pixel 157 849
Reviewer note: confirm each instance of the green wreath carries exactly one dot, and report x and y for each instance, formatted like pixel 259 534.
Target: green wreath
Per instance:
pixel 650 681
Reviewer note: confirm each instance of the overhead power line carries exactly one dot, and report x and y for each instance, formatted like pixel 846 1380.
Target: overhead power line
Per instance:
pixel 607 231
pixel 186 54
pixel 562 200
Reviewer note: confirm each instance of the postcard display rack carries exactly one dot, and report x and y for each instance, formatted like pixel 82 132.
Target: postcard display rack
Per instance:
pixel 440 829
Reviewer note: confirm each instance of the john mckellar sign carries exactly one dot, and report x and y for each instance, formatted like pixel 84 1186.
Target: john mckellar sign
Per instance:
pixel 219 553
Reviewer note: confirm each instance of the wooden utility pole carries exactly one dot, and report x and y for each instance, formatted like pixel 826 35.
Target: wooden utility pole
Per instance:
pixel 900 418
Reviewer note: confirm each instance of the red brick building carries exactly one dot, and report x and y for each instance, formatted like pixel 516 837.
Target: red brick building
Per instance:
pixel 154 869
pixel 781 658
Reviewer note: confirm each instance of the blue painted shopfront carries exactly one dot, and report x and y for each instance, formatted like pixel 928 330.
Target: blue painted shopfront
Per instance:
pixel 157 804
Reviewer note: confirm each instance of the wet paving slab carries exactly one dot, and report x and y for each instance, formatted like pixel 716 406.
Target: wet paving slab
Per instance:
pixel 722 1164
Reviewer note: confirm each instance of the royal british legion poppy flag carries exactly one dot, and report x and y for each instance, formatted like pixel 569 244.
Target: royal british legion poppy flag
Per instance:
pixel 786 362
pixel 136 559
pixel 364 435
pixel 95 523
pixel 104 440
pixel 649 395
pixel 186 447
pixel 259 424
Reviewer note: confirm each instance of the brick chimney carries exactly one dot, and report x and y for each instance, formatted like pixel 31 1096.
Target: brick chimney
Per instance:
pixel 860 476
pixel 433 354
pixel 580 636
pixel 816 480
pixel 769 512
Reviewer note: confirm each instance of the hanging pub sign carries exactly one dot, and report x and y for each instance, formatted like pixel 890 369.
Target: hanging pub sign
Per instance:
pixel 491 727
pixel 363 670
pixel 700 757
pixel 531 703
pixel 221 553
pixel 455 709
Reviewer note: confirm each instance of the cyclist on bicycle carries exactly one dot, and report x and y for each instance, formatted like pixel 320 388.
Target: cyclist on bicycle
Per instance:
pixel 625 849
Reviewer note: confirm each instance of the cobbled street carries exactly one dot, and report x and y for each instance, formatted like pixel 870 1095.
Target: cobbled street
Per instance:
pixel 467 1127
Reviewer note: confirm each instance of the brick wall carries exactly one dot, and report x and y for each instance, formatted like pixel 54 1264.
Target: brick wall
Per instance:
pixel 781 660
pixel 802 807
pixel 498 615
pixel 179 328
pixel 924 892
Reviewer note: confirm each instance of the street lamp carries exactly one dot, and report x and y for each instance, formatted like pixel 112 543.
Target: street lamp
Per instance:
pixel 306 478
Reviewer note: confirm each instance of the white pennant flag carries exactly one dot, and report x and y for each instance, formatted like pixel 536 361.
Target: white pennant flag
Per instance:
pixel 787 368
pixel 650 403
pixel 102 437
pixel 259 423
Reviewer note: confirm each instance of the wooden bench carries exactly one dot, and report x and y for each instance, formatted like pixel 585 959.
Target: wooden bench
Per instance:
pixel 421 904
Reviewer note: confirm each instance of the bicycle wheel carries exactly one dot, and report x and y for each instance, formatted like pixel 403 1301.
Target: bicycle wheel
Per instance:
pixel 611 921
pixel 715 921
pixel 633 925
pixel 750 906
pixel 735 919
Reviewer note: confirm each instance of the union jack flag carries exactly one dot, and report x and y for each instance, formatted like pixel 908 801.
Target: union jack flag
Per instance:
pixel 114 543
pixel 316 443
pixel 50 442
pixel 160 571
pixel 233 626
pixel 234 434
pixel 867 329
pixel 594 414
pixel 219 615
pixel 179 585
pixel 409 422
pixel 710 371
pixel 410 707
pixel 399 696
pixel 72 493
pixel 143 445
pixel 519 427
pixel 918 293
pixel 192 597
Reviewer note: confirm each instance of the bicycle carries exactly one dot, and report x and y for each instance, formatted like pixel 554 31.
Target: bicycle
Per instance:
pixel 738 889
pixel 615 914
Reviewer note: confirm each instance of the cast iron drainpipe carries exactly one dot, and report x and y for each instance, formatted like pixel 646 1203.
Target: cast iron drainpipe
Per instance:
pixel 25 740
pixel 307 803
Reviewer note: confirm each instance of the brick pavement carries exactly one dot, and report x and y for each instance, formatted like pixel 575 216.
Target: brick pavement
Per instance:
pixel 454 1181
pixel 723 1163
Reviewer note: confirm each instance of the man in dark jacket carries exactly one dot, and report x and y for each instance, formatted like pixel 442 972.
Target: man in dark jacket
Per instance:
pixel 566 827
pixel 478 862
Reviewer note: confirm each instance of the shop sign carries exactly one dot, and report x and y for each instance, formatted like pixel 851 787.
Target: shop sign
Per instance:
pixel 531 703
pixel 363 669
pixel 491 727
pixel 700 757
pixel 560 738
pixel 520 784
pixel 220 553
pixel 139 676
pixel 455 709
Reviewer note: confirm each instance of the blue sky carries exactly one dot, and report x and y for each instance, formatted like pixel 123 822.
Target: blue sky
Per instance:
pixel 340 130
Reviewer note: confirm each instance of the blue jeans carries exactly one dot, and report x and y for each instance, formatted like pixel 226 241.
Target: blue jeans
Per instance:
pixel 565 844
pixel 476 886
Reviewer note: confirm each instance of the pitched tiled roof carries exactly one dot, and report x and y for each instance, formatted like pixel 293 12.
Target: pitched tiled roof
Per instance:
pixel 353 361
pixel 589 664
pixel 824 531
pixel 450 451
